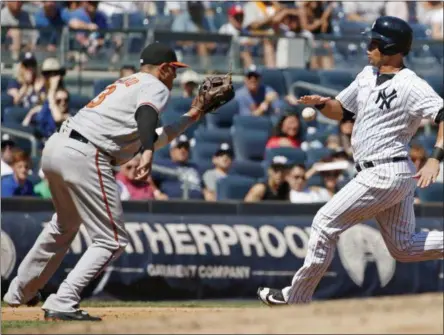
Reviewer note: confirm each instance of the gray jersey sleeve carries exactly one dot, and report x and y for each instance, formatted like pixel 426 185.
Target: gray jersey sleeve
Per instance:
pixel 348 97
pixel 424 101
pixel 154 94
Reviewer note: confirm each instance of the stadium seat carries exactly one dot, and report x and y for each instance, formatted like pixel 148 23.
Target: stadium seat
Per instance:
pixel 101 84
pixel 14 114
pixel 420 31
pixel 7 100
pixel 427 141
pixel 294 156
pixel 436 82
pixel 233 187
pixel 203 164
pixel 116 21
pixel 5 80
pixel 262 123
pixel 223 117
pixel 315 155
pixel 216 135
pixel 432 193
pixel 77 101
pixel 249 145
pixel 162 153
pixel 204 150
pixel 293 75
pixel 179 104
pixel 275 79
pixel 338 79
pixel 247 169
pixel 315 180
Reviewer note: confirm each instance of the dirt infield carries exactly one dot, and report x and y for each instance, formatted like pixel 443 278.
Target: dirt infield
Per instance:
pixel 403 314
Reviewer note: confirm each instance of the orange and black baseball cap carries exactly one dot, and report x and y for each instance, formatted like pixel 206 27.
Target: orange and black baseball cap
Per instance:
pixel 158 53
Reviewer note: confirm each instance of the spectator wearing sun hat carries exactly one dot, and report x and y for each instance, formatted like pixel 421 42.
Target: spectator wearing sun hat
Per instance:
pixel 222 160
pixel 275 187
pixel 189 82
pixel 55 109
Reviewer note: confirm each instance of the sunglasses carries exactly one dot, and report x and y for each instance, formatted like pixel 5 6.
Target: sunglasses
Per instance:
pixel 130 167
pixel 296 176
pixel 61 100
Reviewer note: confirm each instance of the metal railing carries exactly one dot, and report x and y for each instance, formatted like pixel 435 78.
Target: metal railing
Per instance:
pixel 186 185
pixel 24 135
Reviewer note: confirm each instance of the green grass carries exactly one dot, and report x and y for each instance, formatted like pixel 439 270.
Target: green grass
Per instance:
pixel 8 326
pixel 16 325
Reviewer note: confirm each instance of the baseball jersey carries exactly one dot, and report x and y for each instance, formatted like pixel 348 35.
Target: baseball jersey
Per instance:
pixel 388 115
pixel 109 122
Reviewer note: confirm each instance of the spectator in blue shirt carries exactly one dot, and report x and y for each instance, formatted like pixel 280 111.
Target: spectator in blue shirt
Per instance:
pixel 255 98
pixel 89 18
pixel 17 184
pixel 173 186
pixel 27 89
pixel 50 16
pixel 48 117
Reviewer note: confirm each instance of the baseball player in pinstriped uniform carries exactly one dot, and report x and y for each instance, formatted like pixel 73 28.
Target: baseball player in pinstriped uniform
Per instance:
pixel 116 125
pixel 387 101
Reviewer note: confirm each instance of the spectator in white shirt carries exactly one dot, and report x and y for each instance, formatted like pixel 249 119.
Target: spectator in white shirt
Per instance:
pixel 398 9
pixel 363 11
pixel 234 28
pixel 189 82
pixel 300 193
pixel 8 146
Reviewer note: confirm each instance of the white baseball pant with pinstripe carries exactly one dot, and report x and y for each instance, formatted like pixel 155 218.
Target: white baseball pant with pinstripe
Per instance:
pixel 384 192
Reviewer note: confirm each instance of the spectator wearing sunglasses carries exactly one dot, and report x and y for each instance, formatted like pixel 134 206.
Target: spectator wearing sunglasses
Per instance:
pixel 48 117
pixel 300 193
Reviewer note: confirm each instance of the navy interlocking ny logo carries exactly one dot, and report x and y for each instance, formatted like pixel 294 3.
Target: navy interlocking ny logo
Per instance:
pixel 385 99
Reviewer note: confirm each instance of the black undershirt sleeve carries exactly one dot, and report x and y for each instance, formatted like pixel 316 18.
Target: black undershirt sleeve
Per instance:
pixel 347 115
pixel 440 116
pixel 147 118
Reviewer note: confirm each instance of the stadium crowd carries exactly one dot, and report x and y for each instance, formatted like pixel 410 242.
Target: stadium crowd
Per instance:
pixel 257 148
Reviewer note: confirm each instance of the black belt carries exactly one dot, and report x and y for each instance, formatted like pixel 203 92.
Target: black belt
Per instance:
pixel 77 136
pixel 367 165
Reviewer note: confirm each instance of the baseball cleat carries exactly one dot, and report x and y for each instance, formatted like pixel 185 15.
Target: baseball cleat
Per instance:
pixel 79 315
pixel 34 301
pixel 271 296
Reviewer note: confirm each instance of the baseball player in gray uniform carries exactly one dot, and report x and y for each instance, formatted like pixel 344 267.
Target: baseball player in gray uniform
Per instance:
pixel 78 162
pixel 387 101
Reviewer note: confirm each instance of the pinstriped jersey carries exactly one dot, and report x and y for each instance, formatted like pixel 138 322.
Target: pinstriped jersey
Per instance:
pixel 388 115
pixel 108 121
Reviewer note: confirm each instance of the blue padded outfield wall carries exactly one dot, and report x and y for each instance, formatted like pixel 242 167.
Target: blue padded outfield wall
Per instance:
pixel 204 256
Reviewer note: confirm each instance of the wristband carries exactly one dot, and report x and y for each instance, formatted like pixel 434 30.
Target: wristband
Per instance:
pixel 437 153
pixel 320 106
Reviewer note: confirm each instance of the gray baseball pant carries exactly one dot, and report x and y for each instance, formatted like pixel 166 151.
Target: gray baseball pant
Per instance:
pixel 84 190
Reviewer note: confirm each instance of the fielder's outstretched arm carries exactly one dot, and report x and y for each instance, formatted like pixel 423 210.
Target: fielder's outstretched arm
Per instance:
pixel 169 132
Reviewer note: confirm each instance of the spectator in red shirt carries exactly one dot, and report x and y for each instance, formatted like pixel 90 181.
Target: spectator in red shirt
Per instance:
pixel 287 133
pixel 138 190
